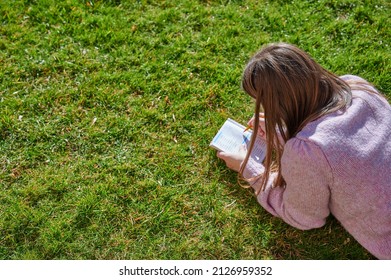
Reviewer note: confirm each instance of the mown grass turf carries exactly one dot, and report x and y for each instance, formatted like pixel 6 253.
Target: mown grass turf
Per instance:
pixel 107 109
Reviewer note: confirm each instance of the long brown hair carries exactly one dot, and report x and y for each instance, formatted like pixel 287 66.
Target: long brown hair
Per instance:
pixel 293 90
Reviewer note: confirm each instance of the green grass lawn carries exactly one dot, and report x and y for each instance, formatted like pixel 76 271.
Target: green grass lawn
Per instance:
pixel 107 109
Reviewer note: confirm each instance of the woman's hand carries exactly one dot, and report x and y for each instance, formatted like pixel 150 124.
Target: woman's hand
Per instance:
pixel 261 127
pixel 233 160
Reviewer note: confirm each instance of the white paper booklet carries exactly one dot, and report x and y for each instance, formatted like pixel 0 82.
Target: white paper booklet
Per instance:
pixel 232 135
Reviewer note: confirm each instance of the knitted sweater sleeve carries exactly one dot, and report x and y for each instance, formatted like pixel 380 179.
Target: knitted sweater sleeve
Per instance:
pixel 304 201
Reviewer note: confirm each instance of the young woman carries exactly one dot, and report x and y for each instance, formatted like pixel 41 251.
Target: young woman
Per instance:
pixel 329 146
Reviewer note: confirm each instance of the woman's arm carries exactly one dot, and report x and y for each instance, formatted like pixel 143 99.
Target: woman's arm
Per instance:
pixel 303 202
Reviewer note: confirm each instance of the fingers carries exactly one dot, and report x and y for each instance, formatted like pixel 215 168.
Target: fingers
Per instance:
pixel 243 149
pixel 224 156
pixel 228 156
pixel 232 160
pixel 261 119
pixel 221 155
pixel 261 126
pixel 251 122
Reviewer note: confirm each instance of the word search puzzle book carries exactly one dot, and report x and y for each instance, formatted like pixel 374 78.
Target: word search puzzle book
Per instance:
pixel 232 135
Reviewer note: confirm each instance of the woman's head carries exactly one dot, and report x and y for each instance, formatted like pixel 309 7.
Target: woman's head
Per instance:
pixel 293 90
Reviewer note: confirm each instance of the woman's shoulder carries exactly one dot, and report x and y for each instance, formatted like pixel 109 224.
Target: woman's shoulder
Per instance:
pixel 353 78
pixel 361 87
pixel 301 153
pixel 366 93
pixel 369 114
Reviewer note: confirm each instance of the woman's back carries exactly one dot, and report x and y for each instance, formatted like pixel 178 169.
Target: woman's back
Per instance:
pixel 357 146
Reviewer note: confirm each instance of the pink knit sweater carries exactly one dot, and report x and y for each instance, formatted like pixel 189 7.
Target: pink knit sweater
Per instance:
pixel 338 164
